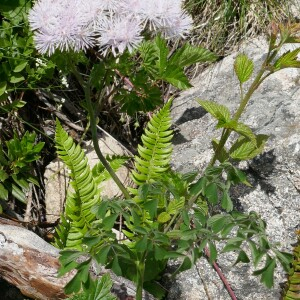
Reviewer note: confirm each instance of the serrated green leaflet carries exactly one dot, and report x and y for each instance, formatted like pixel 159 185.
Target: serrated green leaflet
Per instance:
pixel 287 60
pixel 3 192
pixel 267 273
pixel 226 202
pixel 242 257
pixel 161 54
pixel 212 252
pixel 176 77
pixel 244 149
pixel 218 111
pixel 243 67
pixel 217 222
pixel 188 55
pixel 211 192
pixel 240 128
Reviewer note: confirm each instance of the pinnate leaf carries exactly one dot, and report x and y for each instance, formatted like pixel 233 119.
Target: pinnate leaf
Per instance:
pixel 155 153
pixel 149 55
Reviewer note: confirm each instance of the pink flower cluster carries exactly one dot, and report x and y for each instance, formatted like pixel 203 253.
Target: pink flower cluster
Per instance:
pixel 114 25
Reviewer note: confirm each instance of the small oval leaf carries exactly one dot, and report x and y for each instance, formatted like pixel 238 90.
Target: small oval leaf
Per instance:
pixel 20 66
pixel 163 217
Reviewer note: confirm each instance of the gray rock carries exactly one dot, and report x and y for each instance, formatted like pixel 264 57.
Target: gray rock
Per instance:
pixel 274 109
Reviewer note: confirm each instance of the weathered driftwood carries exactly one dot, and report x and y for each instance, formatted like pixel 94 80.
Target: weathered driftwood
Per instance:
pixel 31 264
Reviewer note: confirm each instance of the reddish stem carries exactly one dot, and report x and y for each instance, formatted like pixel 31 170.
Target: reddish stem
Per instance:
pixel 222 276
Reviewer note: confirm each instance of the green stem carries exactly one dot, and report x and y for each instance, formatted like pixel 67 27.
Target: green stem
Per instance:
pixel 140 265
pixel 93 123
pixel 171 222
pixel 225 135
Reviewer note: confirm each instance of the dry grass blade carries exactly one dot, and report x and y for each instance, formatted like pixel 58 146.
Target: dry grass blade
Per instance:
pixel 221 25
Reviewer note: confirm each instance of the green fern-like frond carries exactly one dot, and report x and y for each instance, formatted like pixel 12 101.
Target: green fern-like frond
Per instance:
pixel 77 216
pixel 156 149
pixel 292 290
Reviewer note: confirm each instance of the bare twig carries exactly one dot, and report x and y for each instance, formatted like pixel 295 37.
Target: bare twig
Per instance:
pixel 29 204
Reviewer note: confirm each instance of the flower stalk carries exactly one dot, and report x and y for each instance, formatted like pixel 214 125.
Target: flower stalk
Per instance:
pixel 93 126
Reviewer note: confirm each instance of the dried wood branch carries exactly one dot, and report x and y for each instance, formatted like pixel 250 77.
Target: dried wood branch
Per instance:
pixel 31 264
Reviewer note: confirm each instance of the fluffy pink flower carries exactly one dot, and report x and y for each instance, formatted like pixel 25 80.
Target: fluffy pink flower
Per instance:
pixel 165 16
pixel 60 25
pixel 96 10
pixel 115 24
pixel 118 33
pixel 180 26
pixel 134 7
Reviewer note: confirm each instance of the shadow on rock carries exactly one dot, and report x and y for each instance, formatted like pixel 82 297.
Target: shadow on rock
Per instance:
pixel 191 114
pixel 260 168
